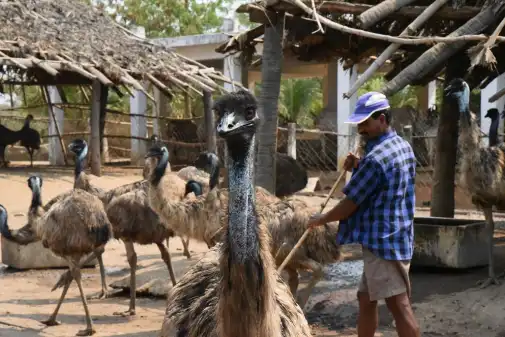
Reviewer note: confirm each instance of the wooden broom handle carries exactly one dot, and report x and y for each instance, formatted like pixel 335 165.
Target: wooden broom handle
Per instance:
pixel 300 241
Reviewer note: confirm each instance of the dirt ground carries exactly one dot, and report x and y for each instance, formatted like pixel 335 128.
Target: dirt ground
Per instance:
pixel 446 303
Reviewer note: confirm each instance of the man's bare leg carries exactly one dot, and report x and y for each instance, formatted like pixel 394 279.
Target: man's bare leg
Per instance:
pixel 368 317
pixel 406 323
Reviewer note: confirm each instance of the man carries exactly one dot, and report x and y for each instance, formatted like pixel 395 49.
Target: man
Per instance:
pixel 378 213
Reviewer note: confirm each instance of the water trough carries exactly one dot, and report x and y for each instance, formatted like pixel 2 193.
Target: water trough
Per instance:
pixel 449 242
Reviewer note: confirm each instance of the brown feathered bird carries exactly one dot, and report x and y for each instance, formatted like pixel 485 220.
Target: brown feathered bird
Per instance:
pixel 482 171
pixel 235 290
pixel 74 227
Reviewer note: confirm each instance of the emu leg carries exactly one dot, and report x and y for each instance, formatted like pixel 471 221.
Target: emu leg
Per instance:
pixel 132 261
pixel 51 321
pixel 293 280
pixel 66 277
pixel 76 273
pixel 104 293
pixel 30 151
pixel 185 245
pixel 492 279
pixel 317 274
pixel 165 255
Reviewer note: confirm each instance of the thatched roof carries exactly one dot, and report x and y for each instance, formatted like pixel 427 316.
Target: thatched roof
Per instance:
pixel 68 42
pixel 415 63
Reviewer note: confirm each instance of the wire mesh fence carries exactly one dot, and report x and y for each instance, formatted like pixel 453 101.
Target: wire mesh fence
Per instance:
pixel 320 150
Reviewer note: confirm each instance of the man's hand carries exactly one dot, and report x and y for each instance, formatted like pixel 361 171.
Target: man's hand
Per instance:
pixel 351 162
pixel 316 220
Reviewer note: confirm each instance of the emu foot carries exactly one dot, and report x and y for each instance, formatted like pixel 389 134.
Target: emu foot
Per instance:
pixel 86 332
pixel 129 312
pixel 486 283
pixel 51 322
pixel 100 296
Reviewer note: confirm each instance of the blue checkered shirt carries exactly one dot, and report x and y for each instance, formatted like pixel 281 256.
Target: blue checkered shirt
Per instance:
pixel 383 188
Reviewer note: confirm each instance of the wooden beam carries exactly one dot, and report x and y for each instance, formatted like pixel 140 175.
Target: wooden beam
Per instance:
pixel 340 7
pixel 95 160
pixel 497 95
pixel 210 128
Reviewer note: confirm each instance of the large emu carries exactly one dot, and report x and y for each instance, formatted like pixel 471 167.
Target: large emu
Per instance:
pixel 235 290
pixel 482 168
pixel 74 227
pixel 29 138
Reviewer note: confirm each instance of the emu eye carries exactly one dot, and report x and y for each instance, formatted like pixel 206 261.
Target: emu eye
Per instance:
pixel 249 113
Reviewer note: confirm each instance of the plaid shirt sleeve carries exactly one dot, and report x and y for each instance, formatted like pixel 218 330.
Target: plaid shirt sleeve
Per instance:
pixel 364 181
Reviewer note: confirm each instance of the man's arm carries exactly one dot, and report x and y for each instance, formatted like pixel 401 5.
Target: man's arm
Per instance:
pixel 364 183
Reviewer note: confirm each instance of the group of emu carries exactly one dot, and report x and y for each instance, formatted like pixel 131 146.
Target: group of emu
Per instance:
pixel 234 290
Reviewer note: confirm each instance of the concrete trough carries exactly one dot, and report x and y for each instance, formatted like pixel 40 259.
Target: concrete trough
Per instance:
pixel 449 243
pixel 32 256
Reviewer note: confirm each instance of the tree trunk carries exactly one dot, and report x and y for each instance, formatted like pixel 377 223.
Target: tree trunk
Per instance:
pixel 373 15
pixel 271 71
pixel 104 94
pixel 441 52
pixel 442 191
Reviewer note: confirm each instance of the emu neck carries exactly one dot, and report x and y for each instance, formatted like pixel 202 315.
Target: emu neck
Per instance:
pixel 36 204
pixel 493 131
pixel 160 169
pixel 469 141
pixel 214 177
pixel 242 228
pixel 247 305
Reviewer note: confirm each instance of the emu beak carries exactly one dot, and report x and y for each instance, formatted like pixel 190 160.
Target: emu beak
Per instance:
pixel 448 89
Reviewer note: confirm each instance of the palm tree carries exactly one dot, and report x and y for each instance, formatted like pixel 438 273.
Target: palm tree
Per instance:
pixel 266 137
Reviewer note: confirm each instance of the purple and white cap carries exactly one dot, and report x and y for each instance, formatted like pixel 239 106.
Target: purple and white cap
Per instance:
pixel 368 104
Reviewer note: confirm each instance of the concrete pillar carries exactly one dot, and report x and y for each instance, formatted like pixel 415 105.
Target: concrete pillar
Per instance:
pixel 328 117
pixel 56 155
pixel 138 105
pixel 345 108
pixel 427 96
pixel 233 70
pixel 496 85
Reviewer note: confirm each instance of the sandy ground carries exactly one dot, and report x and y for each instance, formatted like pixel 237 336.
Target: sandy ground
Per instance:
pixel 446 302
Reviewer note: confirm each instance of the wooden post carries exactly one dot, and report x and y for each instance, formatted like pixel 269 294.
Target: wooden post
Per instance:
pixel 160 110
pixel 96 165
pixel 51 93
pixel 210 129
pixel 292 140
pixel 104 144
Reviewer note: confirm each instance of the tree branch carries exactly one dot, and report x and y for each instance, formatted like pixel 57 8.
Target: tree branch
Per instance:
pixel 386 54
pixel 413 40
pixel 439 53
pixel 373 15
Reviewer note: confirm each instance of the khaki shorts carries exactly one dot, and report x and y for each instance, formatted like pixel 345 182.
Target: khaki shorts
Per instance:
pixel 382 279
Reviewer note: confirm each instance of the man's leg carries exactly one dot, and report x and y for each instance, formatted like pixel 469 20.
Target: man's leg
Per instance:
pixel 400 308
pixel 368 317
pixel 389 280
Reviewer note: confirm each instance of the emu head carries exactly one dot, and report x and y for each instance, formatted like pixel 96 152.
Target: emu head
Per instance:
pixel 29 118
pixel 207 161
pixel 237 115
pixel 157 157
pixel 35 183
pixel 3 216
pixel 459 91
pixel 193 186
pixel 493 114
pixel 79 147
